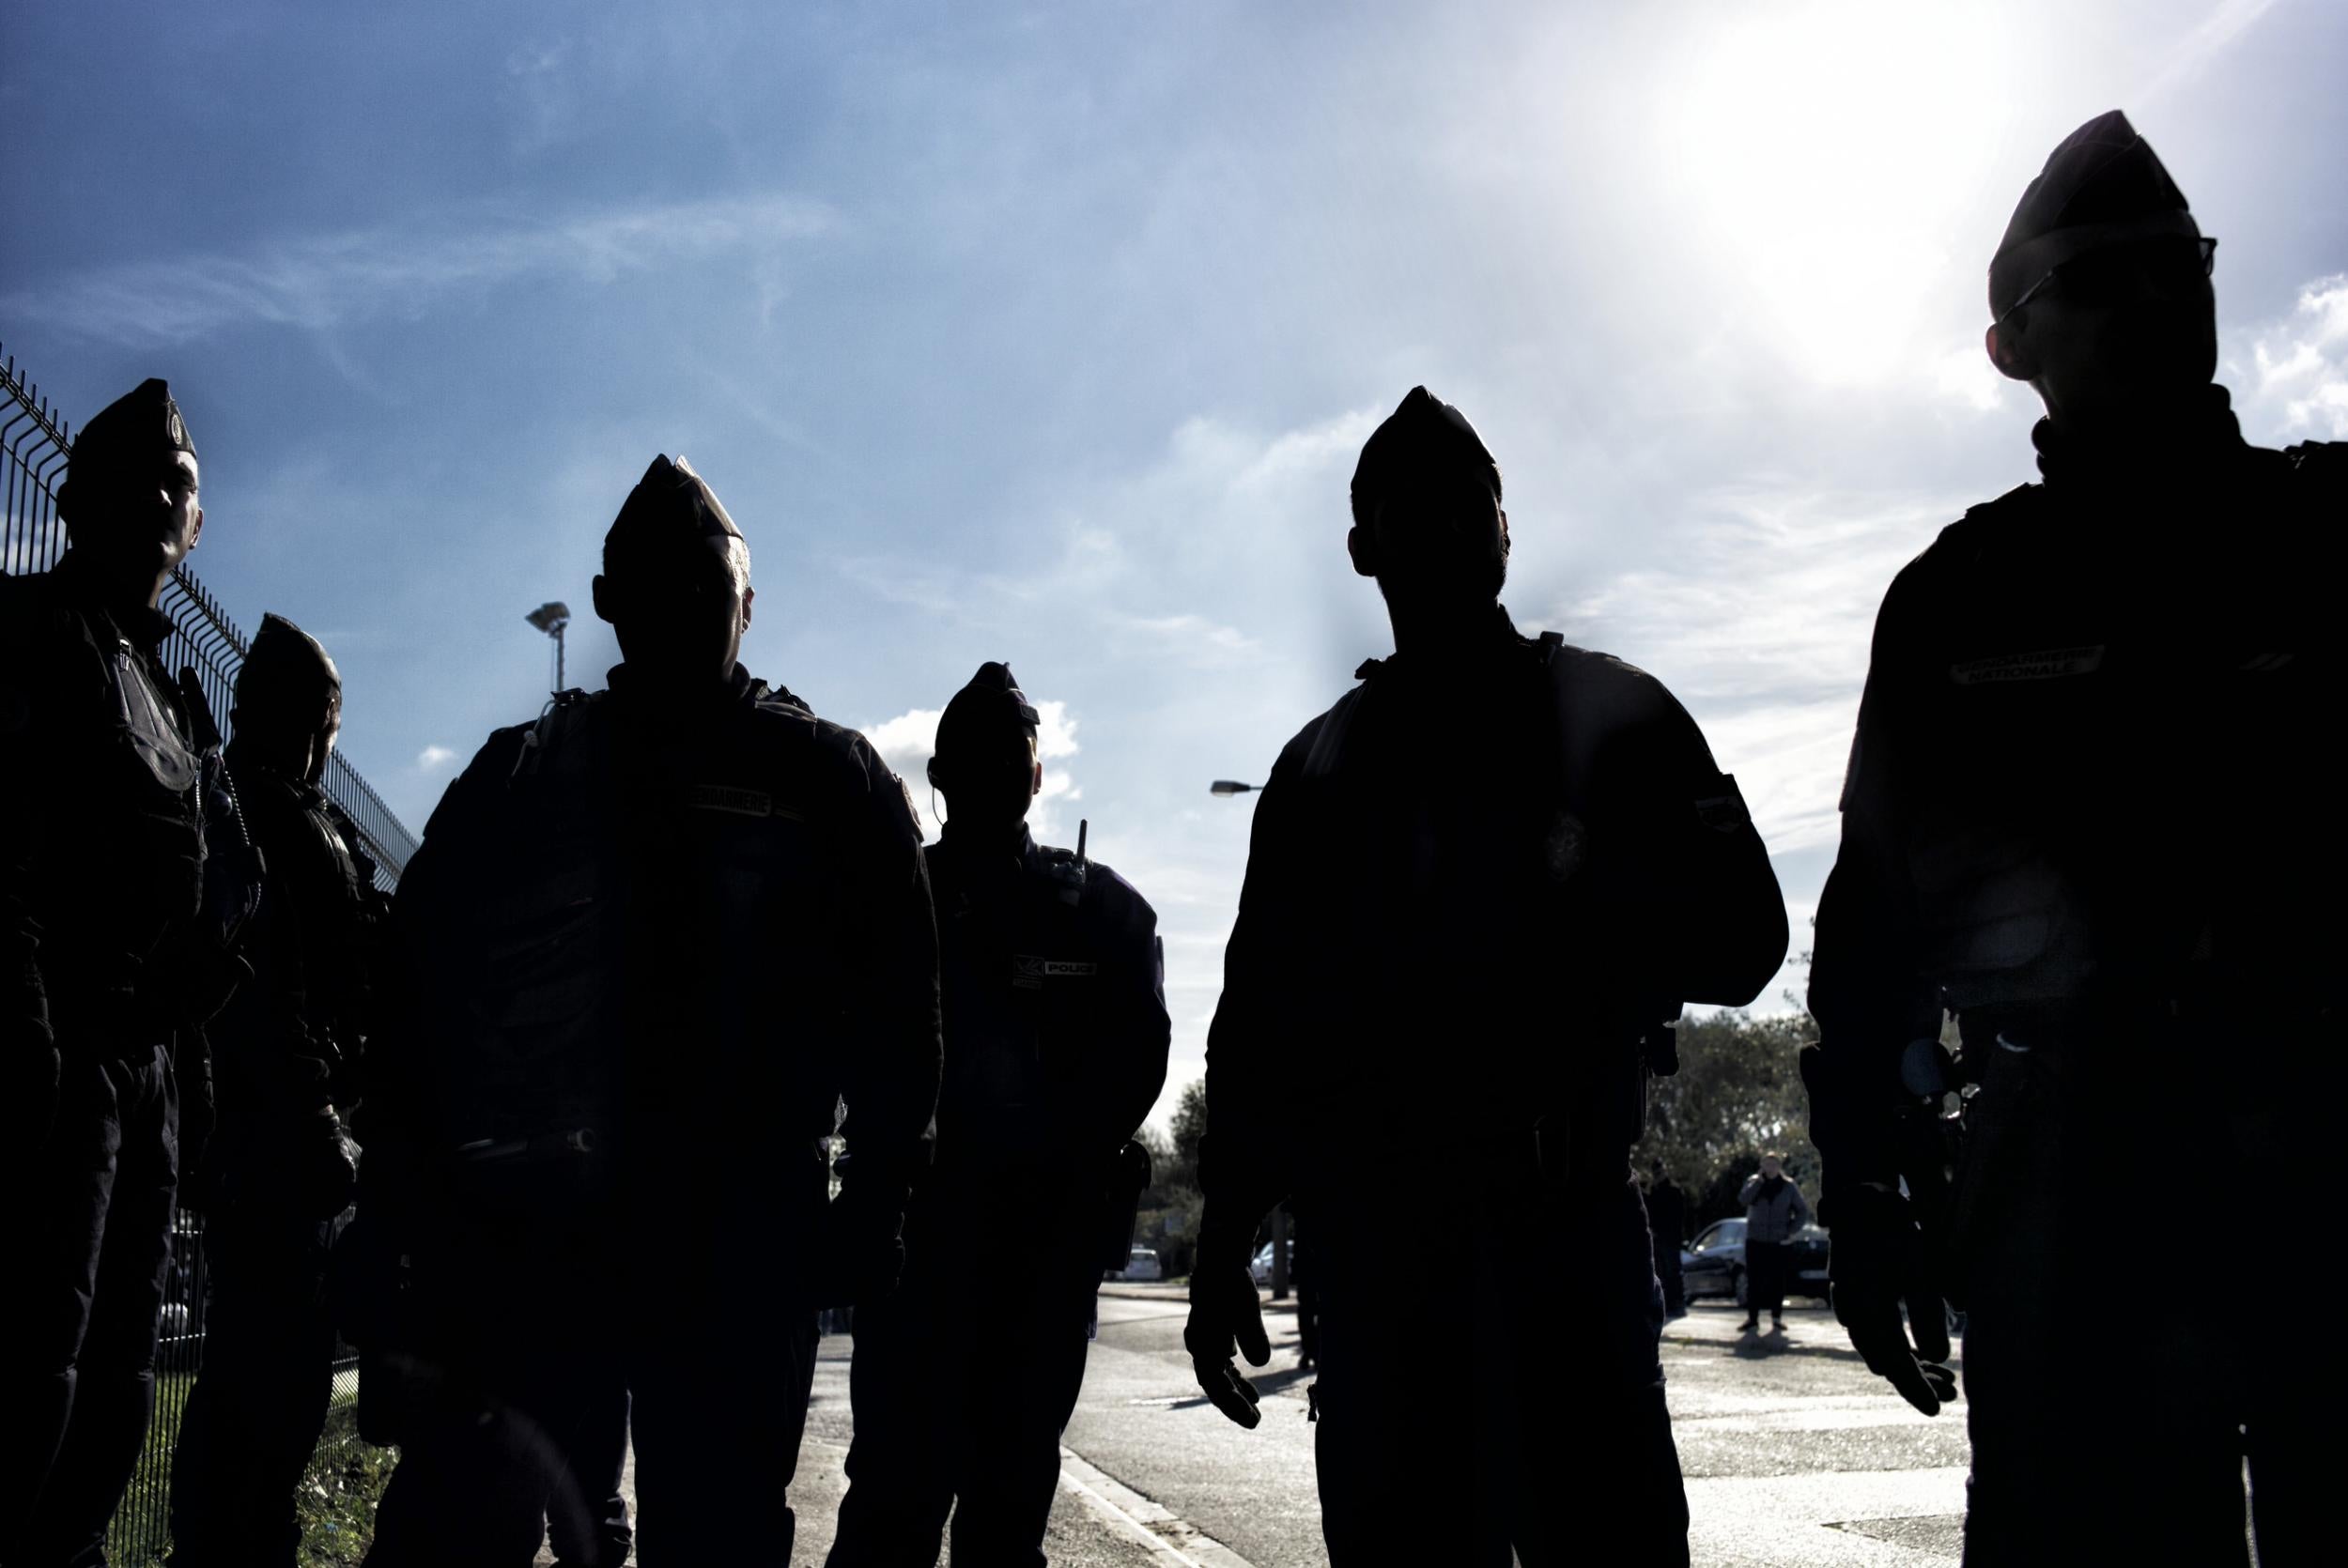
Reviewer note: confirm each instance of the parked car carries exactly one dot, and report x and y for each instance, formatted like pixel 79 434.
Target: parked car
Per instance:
pixel 1259 1266
pixel 1714 1263
pixel 1142 1264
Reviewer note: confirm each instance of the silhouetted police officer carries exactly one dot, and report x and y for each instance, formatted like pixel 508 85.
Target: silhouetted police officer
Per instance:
pixel 656 938
pixel 110 970
pixel 2082 814
pixel 1473 950
pixel 1055 1047
pixel 280 1166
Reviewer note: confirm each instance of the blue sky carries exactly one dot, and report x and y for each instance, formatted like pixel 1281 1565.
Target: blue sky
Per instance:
pixel 1050 333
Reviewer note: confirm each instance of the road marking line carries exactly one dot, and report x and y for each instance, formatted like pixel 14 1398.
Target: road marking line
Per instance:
pixel 1145 1522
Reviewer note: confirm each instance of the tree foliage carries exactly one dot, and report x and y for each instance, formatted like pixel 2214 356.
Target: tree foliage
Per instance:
pixel 1737 1094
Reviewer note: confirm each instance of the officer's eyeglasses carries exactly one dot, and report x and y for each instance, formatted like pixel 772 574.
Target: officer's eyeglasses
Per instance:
pixel 2117 273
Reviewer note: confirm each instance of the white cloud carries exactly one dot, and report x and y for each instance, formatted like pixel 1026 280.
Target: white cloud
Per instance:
pixel 332 279
pixel 1965 376
pixel 1761 625
pixel 1194 638
pixel 432 759
pixel 2296 371
pixel 2228 20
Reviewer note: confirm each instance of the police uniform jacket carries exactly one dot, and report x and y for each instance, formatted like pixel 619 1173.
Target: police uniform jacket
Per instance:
pixel 287 1044
pixel 1472 888
pixel 1053 982
pixel 649 947
pixel 2086 771
pixel 101 841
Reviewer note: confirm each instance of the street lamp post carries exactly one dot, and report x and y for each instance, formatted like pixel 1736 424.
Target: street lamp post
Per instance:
pixel 1228 787
pixel 552 618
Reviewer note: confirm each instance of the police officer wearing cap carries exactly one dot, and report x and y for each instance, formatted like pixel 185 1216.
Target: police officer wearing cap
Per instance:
pixel 2081 815
pixel 280 1167
pixel 1481 962
pixel 110 972
pixel 1056 1048
pixel 650 944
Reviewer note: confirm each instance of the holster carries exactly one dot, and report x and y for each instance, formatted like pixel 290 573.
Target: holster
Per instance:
pixel 1120 1212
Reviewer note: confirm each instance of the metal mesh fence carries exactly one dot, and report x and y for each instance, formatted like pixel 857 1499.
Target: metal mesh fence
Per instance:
pixel 36 443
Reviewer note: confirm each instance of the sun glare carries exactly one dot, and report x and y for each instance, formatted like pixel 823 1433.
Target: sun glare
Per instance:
pixel 1820 154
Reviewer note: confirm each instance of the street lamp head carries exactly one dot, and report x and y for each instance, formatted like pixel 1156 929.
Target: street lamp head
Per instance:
pixel 551 617
pixel 1229 786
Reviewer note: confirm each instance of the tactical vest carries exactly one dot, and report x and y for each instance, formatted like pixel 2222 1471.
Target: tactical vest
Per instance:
pixel 517 940
pixel 561 1041
pixel 2009 853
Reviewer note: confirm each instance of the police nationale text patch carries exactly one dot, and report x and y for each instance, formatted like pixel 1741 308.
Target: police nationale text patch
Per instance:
pixel 736 801
pixel 1028 973
pixel 2038 664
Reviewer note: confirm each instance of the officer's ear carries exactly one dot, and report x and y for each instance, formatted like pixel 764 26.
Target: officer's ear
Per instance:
pixel 1363 550
pixel 2009 347
pixel 936 776
pixel 1035 782
pixel 601 590
pixel 1504 531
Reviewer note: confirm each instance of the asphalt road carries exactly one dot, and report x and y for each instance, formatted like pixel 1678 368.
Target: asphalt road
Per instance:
pixel 1794 1454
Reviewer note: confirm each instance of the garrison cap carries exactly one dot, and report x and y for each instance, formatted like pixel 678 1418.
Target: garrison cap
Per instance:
pixel 288 671
pixel 2103 186
pixel 1419 439
pixel 990 700
pixel 141 424
pixel 671 502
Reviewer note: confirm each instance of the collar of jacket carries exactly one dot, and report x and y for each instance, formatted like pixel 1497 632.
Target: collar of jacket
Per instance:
pixel 641 697
pixel 986 865
pixel 145 629
pixel 1490 636
pixel 2147 459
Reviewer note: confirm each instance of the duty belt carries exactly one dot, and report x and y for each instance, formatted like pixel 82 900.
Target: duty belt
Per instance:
pixel 1550 1154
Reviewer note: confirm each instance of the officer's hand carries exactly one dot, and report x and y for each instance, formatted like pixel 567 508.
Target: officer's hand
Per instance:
pixel 1879 1262
pixel 1225 1316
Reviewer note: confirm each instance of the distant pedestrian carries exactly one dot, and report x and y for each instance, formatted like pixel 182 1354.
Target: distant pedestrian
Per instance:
pixel 1775 1212
pixel 1667 1227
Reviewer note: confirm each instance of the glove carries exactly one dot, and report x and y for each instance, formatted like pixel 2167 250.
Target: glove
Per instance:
pixel 1226 1316
pixel 861 1252
pixel 1880 1260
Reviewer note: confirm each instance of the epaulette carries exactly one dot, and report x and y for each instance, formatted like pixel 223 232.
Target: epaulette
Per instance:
pixel 783 696
pixel 2323 461
pixel 566 712
pixel 2014 505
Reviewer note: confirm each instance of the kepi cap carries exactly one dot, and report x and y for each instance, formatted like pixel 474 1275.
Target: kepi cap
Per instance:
pixel 2103 186
pixel 1423 437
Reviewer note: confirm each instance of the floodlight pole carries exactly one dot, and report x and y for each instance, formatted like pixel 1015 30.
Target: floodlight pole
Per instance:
pixel 552 617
